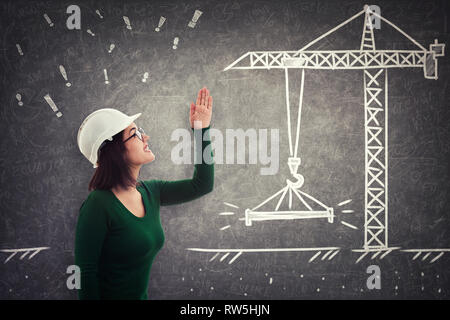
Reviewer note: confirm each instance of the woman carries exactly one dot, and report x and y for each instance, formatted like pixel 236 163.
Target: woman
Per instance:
pixel 119 230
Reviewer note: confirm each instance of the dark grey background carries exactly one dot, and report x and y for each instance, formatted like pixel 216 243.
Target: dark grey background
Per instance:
pixel 44 177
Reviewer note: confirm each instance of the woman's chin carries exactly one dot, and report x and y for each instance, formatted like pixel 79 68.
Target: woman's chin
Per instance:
pixel 152 158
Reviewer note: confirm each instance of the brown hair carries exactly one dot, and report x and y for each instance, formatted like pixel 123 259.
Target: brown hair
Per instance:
pixel 112 170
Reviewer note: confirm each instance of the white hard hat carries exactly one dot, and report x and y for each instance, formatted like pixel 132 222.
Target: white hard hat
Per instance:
pixel 99 126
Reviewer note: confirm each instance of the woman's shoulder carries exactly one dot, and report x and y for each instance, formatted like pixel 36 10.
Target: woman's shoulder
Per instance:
pixel 96 198
pixel 153 183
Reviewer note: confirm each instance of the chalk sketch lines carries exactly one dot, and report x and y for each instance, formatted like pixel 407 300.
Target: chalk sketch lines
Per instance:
pixel 322 253
pixel 325 253
pixel 343 203
pixel 374 252
pixel 374 64
pixel 282 215
pixel 426 253
pixel 24 251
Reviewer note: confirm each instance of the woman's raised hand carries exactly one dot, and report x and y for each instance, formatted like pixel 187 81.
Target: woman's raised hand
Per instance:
pixel 202 110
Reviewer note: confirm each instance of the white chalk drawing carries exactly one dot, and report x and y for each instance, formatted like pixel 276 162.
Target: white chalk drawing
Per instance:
pixel 25 251
pixel 231 205
pixel 195 18
pixel 90 32
pixel 374 65
pixel 49 21
pixel 375 252
pixel 64 74
pixel 160 24
pixel 175 42
pixel 99 14
pixel 19 49
pixel 19 99
pixel 438 253
pixel 144 79
pixel 344 202
pixel 329 252
pixel 227 213
pixel 127 22
pixel 106 76
pixel 349 225
pixel 111 47
pixel 52 105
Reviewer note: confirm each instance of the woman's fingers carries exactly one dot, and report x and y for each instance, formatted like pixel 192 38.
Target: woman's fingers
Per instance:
pixel 203 96
pixel 210 102
pixel 199 96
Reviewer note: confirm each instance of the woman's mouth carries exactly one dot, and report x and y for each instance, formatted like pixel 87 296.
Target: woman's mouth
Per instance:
pixel 146 149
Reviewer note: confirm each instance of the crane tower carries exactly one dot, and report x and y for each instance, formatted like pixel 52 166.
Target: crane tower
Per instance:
pixel 374 65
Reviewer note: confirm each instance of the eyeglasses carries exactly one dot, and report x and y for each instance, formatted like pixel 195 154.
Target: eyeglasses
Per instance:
pixel 139 132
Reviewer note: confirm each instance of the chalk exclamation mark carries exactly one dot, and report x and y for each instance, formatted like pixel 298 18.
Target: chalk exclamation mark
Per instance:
pixel 64 74
pixel 145 77
pixel 111 47
pixel 106 76
pixel 98 13
pixel 19 98
pixel 90 32
pixel 49 21
pixel 52 105
pixel 175 43
pixel 161 22
pixel 19 49
pixel 195 18
pixel 127 22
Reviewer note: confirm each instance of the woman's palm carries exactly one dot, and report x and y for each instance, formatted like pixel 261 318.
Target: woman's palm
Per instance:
pixel 200 113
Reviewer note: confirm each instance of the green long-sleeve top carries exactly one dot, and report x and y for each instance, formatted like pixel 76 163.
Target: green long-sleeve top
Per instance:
pixel 115 249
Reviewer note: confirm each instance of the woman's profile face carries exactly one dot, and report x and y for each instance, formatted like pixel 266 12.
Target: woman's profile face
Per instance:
pixel 137 153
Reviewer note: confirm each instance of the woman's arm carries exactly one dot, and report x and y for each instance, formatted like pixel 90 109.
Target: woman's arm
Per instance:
pixel 90 234
pixel 174 192
pixel 202 182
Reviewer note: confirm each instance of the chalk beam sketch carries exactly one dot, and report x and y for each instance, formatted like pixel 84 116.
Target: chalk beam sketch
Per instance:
pixel 438 253
pixel 374 64
pixel 375 252
pixel 52 105
pixel 330 252
pixel 25 251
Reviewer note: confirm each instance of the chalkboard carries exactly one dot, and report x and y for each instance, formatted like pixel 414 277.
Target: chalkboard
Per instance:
pixel 370 166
